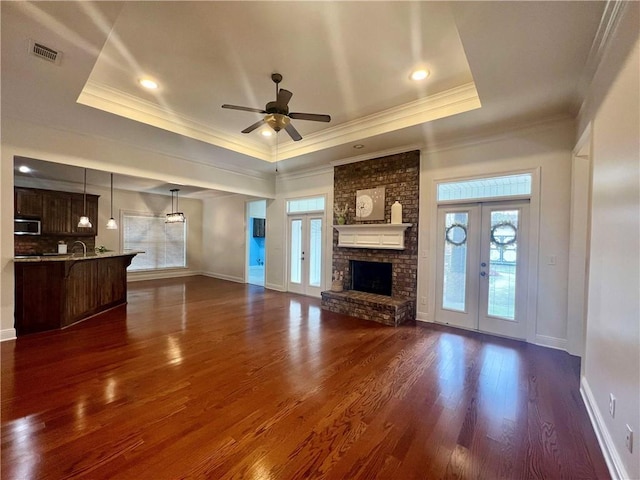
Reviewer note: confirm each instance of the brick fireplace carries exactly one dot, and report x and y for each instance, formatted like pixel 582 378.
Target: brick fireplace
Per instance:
pixel 399 174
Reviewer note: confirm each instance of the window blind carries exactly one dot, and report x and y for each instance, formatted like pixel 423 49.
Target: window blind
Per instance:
pixel 164 244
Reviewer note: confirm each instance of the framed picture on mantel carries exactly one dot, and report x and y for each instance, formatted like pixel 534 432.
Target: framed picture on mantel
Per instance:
pixel 370 204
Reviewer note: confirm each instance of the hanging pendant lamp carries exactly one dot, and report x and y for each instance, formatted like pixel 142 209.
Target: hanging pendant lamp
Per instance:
pixel 111 224
pixel 84 220
pixel 175 216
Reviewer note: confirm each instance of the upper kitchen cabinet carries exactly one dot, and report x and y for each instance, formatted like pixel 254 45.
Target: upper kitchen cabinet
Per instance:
pixel 78 210
pixel 58 211
pixel 27 203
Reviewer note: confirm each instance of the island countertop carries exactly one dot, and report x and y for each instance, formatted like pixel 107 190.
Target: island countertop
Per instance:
pixel 63 257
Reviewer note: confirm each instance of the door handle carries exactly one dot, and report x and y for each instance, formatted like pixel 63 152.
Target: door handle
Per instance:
pixel 483 264
pixel 483 274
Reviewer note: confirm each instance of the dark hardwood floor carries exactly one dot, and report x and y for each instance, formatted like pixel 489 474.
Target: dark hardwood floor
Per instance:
pixel 201 378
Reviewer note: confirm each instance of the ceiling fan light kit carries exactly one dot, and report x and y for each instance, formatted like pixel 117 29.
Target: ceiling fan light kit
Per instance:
pixel 277 114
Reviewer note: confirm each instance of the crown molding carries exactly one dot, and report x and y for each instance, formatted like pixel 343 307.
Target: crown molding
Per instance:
pixel 378 154
pixel 114 101
pixel 611 15
pixel 450 102
pixel 499 133
pixel 308 172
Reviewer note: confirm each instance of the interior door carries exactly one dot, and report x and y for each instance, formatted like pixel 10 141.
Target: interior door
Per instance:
pixel 482 267
pixel 305 254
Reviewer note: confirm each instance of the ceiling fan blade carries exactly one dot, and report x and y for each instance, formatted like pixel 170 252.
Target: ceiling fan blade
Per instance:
pixel 245 109
pixel 253 127
pixel 283 97
pixel 314 117
pixel 293 133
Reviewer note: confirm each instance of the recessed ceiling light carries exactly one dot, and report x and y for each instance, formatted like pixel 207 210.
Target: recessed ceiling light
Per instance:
pixel 24 169
pixel 358 146
pixel 266 133
pixel 148 83
pixel 419 74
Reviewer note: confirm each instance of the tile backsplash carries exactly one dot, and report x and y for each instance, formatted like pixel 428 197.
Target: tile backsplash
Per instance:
pixel 39 244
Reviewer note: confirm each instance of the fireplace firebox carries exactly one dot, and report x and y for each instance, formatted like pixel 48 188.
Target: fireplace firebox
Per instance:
pixel 371 277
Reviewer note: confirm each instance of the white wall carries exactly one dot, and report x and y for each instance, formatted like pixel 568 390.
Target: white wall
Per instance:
pixel 7 298
pixel 612 350
pixel 289 187
pixel 547 147
pixel 224 237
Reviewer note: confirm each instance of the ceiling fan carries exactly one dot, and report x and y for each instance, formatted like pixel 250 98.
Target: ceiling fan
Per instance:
pixel 277 114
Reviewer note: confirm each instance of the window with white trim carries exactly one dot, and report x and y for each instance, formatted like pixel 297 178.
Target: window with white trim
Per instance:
pixel 164 244
pixel 480 188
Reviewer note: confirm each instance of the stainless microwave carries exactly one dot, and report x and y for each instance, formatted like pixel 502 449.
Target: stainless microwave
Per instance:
pixel 24 226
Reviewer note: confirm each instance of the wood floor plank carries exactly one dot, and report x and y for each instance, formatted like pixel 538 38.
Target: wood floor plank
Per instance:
pixel 201 378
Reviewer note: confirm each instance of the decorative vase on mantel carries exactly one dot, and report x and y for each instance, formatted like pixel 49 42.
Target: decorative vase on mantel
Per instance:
pixel 396 213
pixel 341 220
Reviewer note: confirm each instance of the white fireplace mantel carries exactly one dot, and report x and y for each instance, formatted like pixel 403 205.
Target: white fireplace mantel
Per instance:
pixel 372 235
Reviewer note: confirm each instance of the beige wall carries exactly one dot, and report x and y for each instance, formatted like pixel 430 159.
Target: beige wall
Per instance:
pixel 612 350
pixel 290 187
pixel 224 237
pixel 546 148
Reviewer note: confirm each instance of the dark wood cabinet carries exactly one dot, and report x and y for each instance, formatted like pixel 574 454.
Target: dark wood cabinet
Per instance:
pixel 58 293
pixel 78 209
pixel 58 211
pixel 27 203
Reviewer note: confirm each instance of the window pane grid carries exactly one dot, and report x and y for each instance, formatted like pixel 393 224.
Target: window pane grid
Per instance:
pixel 503 264
pixel 455 264
pixel 301 205
pixel 164 244
pixel 507 186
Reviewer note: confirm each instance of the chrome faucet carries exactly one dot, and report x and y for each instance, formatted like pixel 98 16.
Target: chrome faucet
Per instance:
pixel 84 247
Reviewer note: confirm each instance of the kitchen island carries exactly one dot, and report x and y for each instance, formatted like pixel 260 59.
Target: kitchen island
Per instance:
pixel 55 291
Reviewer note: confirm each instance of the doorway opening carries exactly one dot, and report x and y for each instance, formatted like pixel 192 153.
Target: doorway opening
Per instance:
pixel 256 234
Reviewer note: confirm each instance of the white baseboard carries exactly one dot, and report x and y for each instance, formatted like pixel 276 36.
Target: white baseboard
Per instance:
pixel 609 451
pixel 222 276
pixel 273 286
pixel 424 318
pixel 551 342
pixel 7 334
pixel 160 274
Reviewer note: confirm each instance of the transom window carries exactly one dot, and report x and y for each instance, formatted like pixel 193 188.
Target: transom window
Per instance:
pixel 494 187
pixel 305 205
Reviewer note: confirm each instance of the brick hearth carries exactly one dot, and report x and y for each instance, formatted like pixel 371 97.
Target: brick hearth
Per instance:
pixel 369 306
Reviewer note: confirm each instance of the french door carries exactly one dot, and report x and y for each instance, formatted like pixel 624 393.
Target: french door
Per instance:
pixel 305 254
pixel 482 267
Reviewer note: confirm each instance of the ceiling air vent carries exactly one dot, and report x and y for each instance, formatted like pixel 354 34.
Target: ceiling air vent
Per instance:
pixel 44 52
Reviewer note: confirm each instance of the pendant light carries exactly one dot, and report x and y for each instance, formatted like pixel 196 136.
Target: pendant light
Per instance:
pixel 84 220
pixel 174 216
pixel 111 224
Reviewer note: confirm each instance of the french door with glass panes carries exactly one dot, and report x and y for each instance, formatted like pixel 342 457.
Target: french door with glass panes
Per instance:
pixel 482 267
pixel 305 254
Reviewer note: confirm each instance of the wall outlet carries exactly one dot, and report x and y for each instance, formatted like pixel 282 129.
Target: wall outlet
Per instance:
pixel 629 440
pixel 423 300
pixel 612 405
